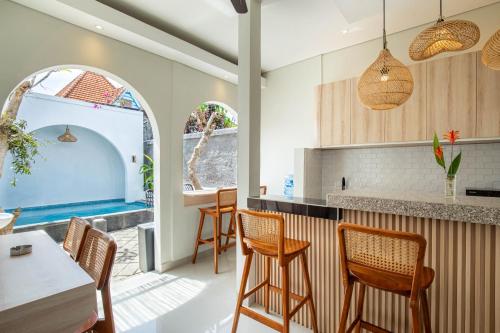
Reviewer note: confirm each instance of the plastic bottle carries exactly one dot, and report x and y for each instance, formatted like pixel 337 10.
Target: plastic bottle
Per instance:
pixel 289 186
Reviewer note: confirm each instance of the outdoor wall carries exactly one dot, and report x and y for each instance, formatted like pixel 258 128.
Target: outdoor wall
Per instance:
pixel 288 102
pixel 168 90
pixel 110 122
pixel 216 166
pixel 87 170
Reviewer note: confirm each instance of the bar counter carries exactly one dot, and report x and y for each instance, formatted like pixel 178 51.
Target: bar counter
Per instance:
pixel 463 247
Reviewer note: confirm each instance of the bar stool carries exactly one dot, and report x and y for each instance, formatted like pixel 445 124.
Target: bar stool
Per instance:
pixel 388 260
pixel 225 204
pixel 264 233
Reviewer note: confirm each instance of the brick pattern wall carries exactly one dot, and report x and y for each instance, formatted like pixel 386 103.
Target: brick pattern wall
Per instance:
pixel 409 168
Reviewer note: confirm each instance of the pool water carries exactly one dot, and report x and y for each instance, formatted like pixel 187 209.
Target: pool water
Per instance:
pixel 34 215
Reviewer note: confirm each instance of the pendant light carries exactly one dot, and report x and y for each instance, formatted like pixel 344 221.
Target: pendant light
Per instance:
pixel 444 36
pixel 491 52
pixel 387 83
pixel 67 136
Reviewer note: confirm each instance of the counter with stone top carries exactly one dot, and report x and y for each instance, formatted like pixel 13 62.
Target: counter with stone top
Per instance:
pixel 482 210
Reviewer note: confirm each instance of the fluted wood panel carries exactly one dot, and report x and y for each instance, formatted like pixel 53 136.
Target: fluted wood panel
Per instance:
pixel 465 295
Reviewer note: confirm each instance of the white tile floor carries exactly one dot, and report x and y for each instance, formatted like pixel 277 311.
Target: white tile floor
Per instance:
pixel 189 299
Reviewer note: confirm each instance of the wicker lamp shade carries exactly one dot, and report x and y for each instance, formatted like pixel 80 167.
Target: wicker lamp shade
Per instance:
pixel 67 136
pixel 491 52
pixel 444 36
pixel 386 84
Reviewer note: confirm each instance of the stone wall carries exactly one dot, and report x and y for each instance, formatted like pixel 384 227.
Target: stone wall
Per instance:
pixel 217 164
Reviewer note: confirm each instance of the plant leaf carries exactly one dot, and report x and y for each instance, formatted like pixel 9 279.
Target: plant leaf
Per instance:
pixel 435 145
pixel 452 171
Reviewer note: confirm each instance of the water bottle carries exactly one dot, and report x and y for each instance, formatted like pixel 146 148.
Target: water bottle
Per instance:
pixel 289 185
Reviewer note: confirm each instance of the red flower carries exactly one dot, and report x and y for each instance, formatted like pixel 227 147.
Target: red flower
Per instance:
pixel 439 152
pixel 452 136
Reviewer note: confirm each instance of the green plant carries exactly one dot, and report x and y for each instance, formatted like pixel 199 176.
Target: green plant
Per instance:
pixel 147 170
pixel 451 136
pixel 200 116
pixel 23 147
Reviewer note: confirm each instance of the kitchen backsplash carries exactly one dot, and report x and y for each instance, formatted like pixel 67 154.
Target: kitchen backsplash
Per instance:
pixel 409 168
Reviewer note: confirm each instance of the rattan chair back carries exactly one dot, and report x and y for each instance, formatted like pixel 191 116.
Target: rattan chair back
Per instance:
pixel 226 197
pixel 97 256
pixel 75 236
pixel 260 230
pixel 381 250
pixel 9 228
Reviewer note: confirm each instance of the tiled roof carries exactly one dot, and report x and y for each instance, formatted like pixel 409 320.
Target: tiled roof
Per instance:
pixel 91 87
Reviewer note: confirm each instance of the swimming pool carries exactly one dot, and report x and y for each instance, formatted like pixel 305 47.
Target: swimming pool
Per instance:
pixel 36 215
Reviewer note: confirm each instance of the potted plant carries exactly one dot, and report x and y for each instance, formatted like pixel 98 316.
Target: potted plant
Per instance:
pixel 450 182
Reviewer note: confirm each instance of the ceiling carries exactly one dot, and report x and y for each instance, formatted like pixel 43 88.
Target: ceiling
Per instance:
pixel 292 30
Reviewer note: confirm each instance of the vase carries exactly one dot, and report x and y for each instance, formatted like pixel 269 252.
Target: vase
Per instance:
pixel 450 187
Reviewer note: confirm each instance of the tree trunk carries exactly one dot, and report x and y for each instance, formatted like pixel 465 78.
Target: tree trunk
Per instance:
pixel 207 132
pixel 8 117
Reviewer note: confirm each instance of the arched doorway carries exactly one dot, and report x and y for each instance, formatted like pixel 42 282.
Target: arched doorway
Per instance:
pixel 122 96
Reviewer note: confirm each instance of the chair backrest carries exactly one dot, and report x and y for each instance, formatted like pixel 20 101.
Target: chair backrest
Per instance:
pixel 263 190
pixel 381 250
pixel 267 230
pixel 226 197
pixel 97 257
pixel 75 235
pixel 188 187
pixel 9 228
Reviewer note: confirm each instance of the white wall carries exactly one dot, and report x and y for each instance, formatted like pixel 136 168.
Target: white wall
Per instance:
pixel 288 119
pixel 288 103
pixel 32 41
pixel 122 128
pixel 87 170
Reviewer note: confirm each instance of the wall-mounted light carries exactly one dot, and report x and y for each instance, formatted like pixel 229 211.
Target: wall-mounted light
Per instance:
pixel 134 159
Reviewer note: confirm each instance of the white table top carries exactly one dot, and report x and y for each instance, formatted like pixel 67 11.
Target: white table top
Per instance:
pixel 47 271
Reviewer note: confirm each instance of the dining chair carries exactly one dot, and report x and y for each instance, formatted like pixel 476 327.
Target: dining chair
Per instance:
pixel 75 235
pixel 225 204
pixel 387 260
pixel 9 228
pixel 264 233
pixel 97 258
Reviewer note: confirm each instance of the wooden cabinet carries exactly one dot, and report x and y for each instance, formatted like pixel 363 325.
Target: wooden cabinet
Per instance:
pixel 367 126
pixel 451 95
pixel 335 121
pixel 488 101
pixel 408 122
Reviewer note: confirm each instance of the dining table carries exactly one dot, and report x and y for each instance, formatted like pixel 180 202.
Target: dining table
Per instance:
pixel 43 291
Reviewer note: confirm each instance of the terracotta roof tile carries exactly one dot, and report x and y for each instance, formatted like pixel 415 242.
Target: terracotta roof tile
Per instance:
pixel 91 87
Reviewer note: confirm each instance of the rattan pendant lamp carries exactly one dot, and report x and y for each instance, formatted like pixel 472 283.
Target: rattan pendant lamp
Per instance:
pixel 387 83
pixel 491 52
pixel 444 36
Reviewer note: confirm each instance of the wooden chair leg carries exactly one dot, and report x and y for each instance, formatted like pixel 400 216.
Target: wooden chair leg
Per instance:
pixel 198 236
pixel 219 232
pixel 267 277
pixel 415 317
pixel 216 244
pixel 345 307
pixel 241 294
pixel 231 229
pixel 425 310
pixel 107 325
pixel 359 310
pixel 309 292
pixel 285 288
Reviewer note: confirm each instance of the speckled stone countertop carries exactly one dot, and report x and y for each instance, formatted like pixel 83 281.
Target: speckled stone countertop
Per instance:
pixel 481 210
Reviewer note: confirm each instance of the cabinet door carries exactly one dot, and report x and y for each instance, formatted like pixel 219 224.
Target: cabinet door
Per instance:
pixel 488 101
pixel 367 126
pixel 335 121
pixel 408 122
pixel 451 95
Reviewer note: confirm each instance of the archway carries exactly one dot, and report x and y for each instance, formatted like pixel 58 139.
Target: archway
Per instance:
pixel 210 147
pixel 131 158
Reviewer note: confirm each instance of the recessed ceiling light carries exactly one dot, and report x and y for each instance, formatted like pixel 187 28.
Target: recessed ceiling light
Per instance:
pixel 99 27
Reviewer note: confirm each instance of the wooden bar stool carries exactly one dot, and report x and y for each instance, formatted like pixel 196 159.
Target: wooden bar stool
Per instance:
pixel 264 233
pixel 225 204
pixel 388 260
